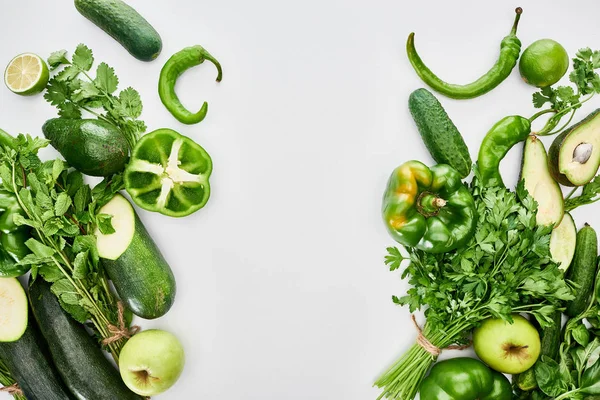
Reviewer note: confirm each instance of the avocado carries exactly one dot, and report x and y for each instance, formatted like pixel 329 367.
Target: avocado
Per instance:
pixel 92 146
pixel 540 184
pixel 562 242
pixel 575 154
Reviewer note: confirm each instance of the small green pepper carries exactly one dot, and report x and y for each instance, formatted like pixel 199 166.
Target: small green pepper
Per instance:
pixel 168 173
pixel 12 237
pixel 510 48
pixel 429 209
pixel 172 70
pixel 497 142
pixel 464 379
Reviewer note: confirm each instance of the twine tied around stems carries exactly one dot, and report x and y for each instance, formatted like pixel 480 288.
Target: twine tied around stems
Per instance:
pixel 12 389
pixel 430 347
pixel 121 331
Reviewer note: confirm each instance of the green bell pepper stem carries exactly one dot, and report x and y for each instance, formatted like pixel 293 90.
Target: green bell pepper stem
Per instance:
pixel 172 70
pixel 428 208
pixel 510 49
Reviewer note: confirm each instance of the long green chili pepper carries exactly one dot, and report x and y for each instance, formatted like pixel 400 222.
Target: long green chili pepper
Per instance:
pixel 510 49
pixel 172 70
pixel 497 142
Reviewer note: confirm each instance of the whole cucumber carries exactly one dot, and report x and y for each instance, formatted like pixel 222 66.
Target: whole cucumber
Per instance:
pixel 125 25
pixel 440 135
pixel 583 270
pixel 77 356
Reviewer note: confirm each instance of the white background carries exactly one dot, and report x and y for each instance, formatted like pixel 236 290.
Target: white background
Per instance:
pixel 282 291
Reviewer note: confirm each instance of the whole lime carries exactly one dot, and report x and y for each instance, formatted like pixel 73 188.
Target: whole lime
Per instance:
pixel 543 63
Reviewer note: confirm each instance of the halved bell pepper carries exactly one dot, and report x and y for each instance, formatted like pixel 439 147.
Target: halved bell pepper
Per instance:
pixel 428 208
pixel 168 173
pixel 465 379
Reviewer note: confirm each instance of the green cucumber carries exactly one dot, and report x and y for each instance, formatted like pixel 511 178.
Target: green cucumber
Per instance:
pixel 135 265
pixel 30 365
pixel 77 356
pixel 550 346
pixel 440 135
pixel 583 270
pixel 13 310
pixel 91 146
pixel 125 25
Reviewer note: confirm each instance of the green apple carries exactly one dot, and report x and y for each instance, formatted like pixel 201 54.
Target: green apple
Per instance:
pixel 505 347
pixel 151 362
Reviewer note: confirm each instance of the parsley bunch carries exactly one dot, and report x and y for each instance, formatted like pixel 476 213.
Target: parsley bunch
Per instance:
pixel 71 94
pixel 565 100
pixel 7 380
pixel 506 268
pixel 62 212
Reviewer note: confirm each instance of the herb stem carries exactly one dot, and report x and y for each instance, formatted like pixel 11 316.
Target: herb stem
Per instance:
pixel 571 193
pixel 540 113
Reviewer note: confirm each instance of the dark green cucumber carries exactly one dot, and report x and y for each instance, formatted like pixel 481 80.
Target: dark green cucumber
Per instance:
pixel 135 265
pixel 91 146
pixel 125 25
pixel 583 270
pixel 550 346
pixel 29 363
pixel 440 135
pixel 77 356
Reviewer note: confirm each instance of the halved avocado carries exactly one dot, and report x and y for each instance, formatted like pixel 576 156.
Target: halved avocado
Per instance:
pixel 575 154
pixel 562 242
pixel 540 184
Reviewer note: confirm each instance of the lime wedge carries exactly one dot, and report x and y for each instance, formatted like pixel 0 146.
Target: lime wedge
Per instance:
pixel 26 74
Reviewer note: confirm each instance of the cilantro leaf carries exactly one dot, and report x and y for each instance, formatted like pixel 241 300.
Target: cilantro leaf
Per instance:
pixel 106 80
pixel 590 194
pixel 57 59
pixel 83 57
pixel 57 92
pixel 130 104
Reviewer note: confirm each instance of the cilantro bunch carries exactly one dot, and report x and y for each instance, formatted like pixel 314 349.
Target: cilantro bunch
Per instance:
pixel 62 213
pixel 565 100
pixel 73 90
pixel 506 268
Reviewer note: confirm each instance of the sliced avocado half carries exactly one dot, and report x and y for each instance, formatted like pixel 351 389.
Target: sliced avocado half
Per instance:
pixel 575 154
pixel 540 184
pixel 562 242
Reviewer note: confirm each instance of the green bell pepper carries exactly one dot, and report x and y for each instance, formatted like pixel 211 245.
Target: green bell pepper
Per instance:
pixel 168 173
pixel 429 209
pixel 464 379
pixel 12 237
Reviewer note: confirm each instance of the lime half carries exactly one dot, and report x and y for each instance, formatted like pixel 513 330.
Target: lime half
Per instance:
pixel 26 74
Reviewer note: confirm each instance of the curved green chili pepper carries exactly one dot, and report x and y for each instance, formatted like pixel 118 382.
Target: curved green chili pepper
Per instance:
pixel 510 49
pixel 497 142
pixel 172 70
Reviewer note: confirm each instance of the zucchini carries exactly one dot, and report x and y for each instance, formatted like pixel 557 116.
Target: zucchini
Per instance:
pixel 440 135
pixel 135 265
pixel 77 356
pixel 13 309
pixel 91 146
pixel 30 365
pixel 125 25
pixel 583 270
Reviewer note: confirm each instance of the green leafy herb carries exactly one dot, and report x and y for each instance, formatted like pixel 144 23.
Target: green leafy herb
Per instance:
pixel 590 194
pixel 506 268
pixel 62 210
pixel 567 99
pixel 73 90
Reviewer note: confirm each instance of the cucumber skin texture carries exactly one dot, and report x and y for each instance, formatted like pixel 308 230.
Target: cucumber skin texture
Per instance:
pixel 583 270
pixel 125 25
pixel 93 147
pixel 440 135
pixel 142 276
pixel 77 356
pixel 31 366
pixel 554 151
